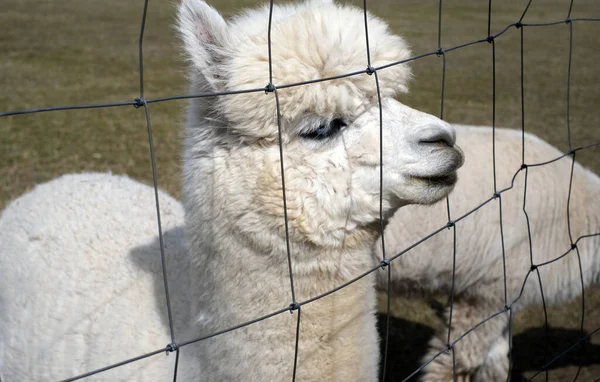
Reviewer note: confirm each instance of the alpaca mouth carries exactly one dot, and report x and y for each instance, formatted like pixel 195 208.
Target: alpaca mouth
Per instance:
pixel 436 180
pixel 445 175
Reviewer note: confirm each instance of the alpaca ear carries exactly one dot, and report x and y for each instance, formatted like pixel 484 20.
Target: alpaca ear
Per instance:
pixel 203 32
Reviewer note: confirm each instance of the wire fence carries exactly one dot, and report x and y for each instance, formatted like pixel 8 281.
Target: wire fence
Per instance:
pixel 296 306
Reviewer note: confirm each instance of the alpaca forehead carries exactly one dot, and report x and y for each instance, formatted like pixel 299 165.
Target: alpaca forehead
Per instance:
pixel 309 42
pixel 325 39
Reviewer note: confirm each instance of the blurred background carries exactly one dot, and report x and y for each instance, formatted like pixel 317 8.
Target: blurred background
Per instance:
pixel 82 51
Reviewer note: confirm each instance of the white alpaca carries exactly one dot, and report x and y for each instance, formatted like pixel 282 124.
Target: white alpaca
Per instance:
pixel 479 282
pixel 77 284
pixel 235 267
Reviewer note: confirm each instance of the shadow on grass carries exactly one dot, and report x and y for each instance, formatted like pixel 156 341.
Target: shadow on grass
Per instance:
pixel 408 344
pixel 529 351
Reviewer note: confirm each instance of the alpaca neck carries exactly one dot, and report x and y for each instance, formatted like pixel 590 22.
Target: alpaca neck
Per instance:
pixel 238 282
pixel 239 256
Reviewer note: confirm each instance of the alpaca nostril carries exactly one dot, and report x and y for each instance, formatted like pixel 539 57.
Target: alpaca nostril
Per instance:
pixel 437 136
pixel 438 142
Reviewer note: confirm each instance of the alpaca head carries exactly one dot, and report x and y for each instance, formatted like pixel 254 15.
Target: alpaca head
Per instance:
pixel 330 130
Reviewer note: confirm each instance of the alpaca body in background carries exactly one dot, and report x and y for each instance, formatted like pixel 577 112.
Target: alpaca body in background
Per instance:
pixel 77 290
pixel 479 282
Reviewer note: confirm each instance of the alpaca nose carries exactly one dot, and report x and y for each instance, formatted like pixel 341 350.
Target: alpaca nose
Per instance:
pixel 437 134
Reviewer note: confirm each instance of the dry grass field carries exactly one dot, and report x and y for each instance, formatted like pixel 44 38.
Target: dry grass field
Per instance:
pixel 81 52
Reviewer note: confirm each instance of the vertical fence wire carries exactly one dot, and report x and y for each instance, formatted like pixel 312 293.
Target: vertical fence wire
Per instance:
pixel 546 328
pixel 451 225
pixel 139 102
pixel 386 263
pixel 526 168
pixel 510 344
pixel 574 246
pixel 449 337
pixel 272 88
pixel 569 78
pixel 522 29
pixel 295 368
pixel 491 39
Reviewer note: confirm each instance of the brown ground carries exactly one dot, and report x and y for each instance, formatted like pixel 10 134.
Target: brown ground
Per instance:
pixel 80 52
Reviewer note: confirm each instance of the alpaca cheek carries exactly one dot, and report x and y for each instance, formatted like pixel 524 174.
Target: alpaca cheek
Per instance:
pixel 366 152
pixel 307 227
pixel 269 195
pixel 309 217
pixel 322 228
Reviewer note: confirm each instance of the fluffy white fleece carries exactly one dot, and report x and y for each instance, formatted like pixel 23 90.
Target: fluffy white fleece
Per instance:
pixel 75 295
pixel 91 306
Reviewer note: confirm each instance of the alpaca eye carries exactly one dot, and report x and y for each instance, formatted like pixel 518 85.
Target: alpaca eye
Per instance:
pixel 326 130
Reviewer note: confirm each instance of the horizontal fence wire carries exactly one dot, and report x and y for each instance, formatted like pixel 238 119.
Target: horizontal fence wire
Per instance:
pixel 137 102
pixel 175 346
